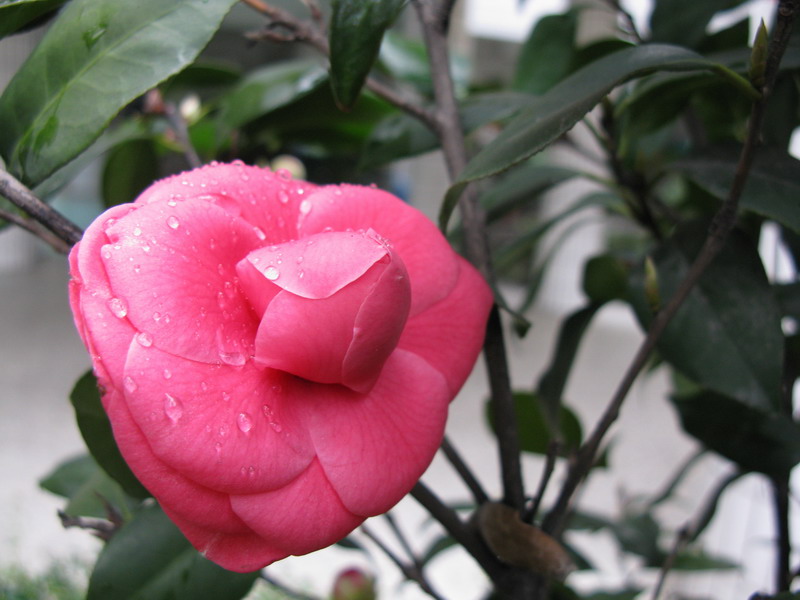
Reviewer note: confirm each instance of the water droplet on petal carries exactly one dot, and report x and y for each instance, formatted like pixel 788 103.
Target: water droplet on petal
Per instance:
pixel 244 422
pixel 144 339
pixel 172 408
pixel 167 374
pixel 204 386
pixel 137 231
pixel 218 448
pixel 305 207
pixel 130 384
pixel 284 174
pixel 173 222
pixel 301 274
pixel 271 273
pixel 118 307
pixel 156 316
pixel 260 233
pixel 235 359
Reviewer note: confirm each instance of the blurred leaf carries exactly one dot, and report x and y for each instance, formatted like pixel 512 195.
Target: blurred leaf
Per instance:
pixel 439 545
pixel 547 55
pixel 727 334
pixel 684 21
pixel 269 88
pixel 15 15
pixel 129 168
pixel 753 438
pixel 351 544
pixel 583 521
pixel 68 477
pixel 535 432
pixel 788 296
pixel 552 383
pixel 547 117
pixel 95 58
pixel 694 560
pixel 638 534
pixel 87 487
pixel 521 187
pixel 772 188
pixel 626 594
pixel 406 59
pixel 150 559
pixel 400 135
pixel 356 32
pixel 96 431
pixel 605 278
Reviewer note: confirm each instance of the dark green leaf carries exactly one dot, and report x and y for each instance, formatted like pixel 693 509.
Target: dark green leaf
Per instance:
pixel 97 57
pixel 772 188
pixel 149 559
pixel 755 439
pixel 626 594
pixel 129 169
pixel 68 477
pixel 406 59
pixel 554 380
pixel 638 534
pixel 15 15
pixel 548 53
pixel 96 431
pixel 684 21
pixel 439 545
pixel 554 113
pixel 535 431
pixel 269 88
pixel 694 560
pixel 788 296
pixel 727 334
pixel 356 32
pixel 605 278
pixel 522 187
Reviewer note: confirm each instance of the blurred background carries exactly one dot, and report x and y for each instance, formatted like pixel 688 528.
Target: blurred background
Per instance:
pixel 41 357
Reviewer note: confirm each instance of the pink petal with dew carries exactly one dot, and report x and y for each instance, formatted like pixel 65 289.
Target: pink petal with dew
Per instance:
pixel 304 516
pixel 242 552
pixel 222 427
pixel 100 317
pixel 267 200
pixel 175 269
pixel 374 447
pixel 194 503
pixel 449 334
pixel 428 257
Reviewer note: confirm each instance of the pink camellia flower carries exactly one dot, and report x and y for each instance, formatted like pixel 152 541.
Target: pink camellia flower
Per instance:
pixel 276 358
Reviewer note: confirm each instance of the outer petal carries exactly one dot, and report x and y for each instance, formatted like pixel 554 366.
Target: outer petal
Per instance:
pixel 449 334
pixel 268 200
pixel 177 494
pixel 173 267
pixel 374 447
pixel 304 516
pixel 431 263
pixel 220 426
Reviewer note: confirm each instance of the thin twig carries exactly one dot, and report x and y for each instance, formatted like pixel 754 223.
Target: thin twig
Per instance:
pixel 721 226
pixel 102 528
pixel 464 471
pixel 21 197
pixel 553 450
pixel 36 229
pixel 412 572
pixel 178 124
pixel 451 136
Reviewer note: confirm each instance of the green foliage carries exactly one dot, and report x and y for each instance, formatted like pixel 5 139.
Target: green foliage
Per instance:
pixel 56 583
pixel 17 15
pixel 170 569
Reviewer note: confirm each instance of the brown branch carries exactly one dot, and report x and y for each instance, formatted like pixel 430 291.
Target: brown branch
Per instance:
pixel 21 197
pixel 464 472
pixel 36 229
pixel 723 223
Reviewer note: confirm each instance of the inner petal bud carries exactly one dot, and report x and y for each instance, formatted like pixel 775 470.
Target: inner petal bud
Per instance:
pixel 332 306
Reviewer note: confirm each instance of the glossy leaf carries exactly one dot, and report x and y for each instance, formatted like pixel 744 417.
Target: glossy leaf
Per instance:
pixel 605 278
pixel 535 431
pixel 549 116
pixel 97 57
pixel 68 477
pixel 547 55
pixel 755 439
pixel 269 88
pixel 356 32
pixel 15 15
pixel 149 559
pixel 684 21
pixel 96 431
pixel 727 334
pixel 772 188
pixel 522 187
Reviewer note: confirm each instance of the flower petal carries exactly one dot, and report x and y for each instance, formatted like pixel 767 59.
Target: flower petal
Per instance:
pixel 428 257
pixel 449 334
pixel 304 516
pixel 174 269
pixel 374 447
pixel 223 427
